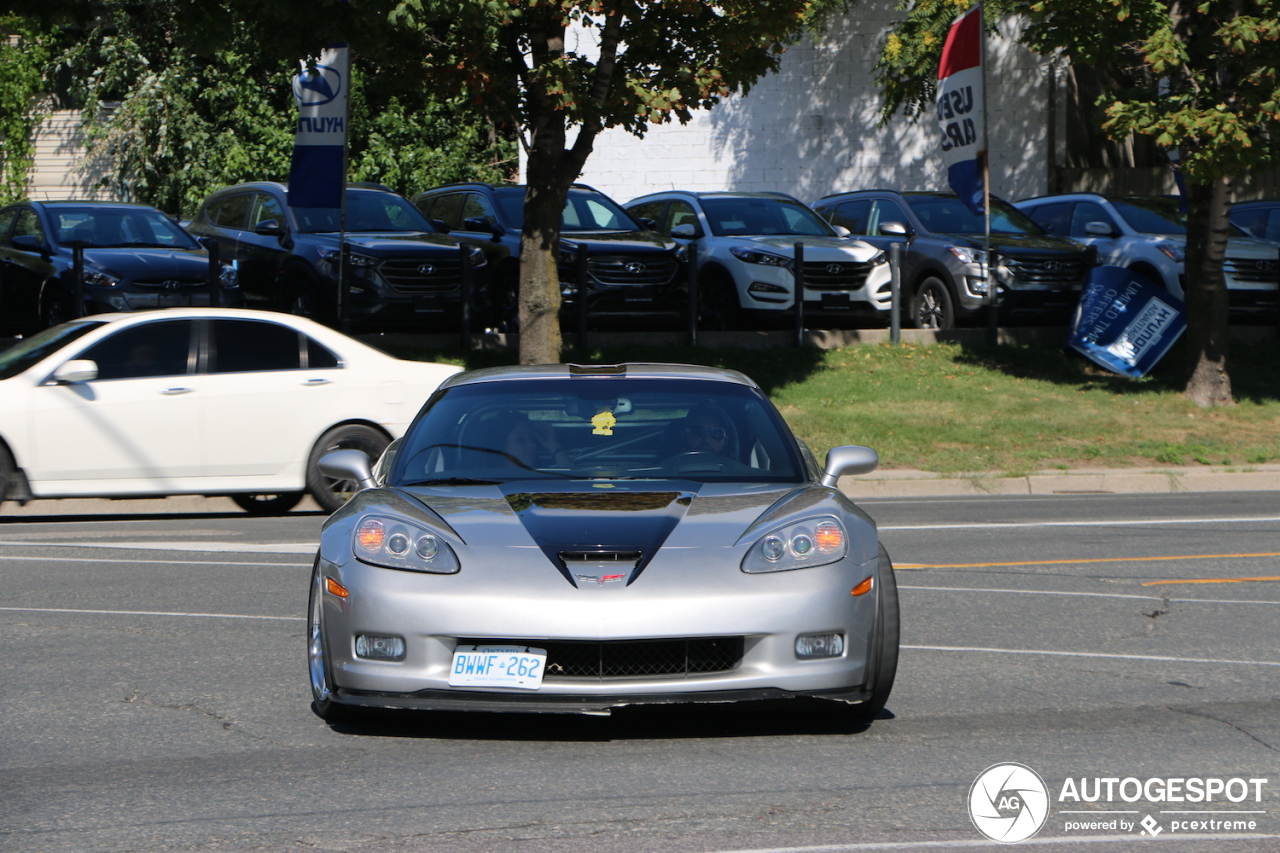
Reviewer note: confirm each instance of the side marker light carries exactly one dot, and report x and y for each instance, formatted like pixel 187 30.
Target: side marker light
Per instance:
pixel 862 588
pixel 335 588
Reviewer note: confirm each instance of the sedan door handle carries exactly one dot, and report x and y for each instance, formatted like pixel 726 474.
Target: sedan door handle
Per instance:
pixel 319 380
pixel 173 392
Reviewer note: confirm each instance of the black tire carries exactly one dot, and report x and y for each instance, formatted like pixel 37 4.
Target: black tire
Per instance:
pixel 884 650
pixel 932 306
pixel 302 297
pixel 53 308
pixel 277 504
pixel 332 494
pixel 319 670
pixel 8 470
pixel 718 306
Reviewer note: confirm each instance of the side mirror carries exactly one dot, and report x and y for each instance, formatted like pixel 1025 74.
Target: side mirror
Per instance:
pixel 686 231
pixel 1098 229
pixel 269 228
pixel 441 226
pixel 848 460
pixel 841 231
pixel 29 243
pixel 483 225
pixel 894 229
pixel 75 371
pixel 348 465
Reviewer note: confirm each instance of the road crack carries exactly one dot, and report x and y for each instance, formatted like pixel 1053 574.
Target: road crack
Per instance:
pixel 1240 729
pixel 227 724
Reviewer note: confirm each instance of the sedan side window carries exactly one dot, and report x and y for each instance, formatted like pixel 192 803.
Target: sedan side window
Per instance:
pixel 243 346
pixel 152 349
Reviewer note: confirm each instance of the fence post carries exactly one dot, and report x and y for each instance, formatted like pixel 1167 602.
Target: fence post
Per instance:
pixel 215 273
pixel 582 298
pixel 993 311
pixel 693 294
pixel 895 293
pixel 464 284
pixel 797 272
pixel 76 309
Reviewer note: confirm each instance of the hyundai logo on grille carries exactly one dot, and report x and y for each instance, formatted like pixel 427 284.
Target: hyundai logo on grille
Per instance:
pixel 171 285
pixel 634 267
pixel 835 269
pixel 1266 266
pixel 1052 266
pixel 427 269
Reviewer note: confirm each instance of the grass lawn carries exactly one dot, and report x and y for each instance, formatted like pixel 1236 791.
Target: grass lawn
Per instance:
pixel 1008 410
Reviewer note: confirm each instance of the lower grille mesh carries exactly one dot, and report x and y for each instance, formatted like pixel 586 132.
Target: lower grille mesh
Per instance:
pixel 633 658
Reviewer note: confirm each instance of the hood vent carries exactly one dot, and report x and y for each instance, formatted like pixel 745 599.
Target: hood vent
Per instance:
pixel 621 559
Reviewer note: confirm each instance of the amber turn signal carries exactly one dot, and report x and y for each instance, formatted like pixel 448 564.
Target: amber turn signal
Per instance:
pixel 335 588
pixel 862 588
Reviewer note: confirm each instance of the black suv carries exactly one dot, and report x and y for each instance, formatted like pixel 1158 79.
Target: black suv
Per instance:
pixel 400 270
pixel 631 271
pixel 1038 276
pixel 135 257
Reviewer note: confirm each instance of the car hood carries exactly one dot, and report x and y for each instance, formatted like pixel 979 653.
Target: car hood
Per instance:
pixel 1253 248
pixel 390 242
pixel 825 247
pixel 618 241
pixel 1015 243
pixel 137 262
pixel 604 532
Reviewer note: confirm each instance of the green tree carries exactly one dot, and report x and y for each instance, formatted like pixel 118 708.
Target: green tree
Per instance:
pixel 1198 76
pixel 23 59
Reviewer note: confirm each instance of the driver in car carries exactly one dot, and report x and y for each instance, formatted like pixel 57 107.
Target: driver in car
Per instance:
pixel 706 429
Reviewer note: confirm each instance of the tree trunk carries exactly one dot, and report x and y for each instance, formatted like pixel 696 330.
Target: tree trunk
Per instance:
pixel 1208 204
pixel 540 341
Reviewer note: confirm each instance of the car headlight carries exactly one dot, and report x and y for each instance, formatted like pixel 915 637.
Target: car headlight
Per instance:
pixel 813 542
pixel 568 257
pixel 1171 251
pixel 331 256
pixel 476 257
pixel 751 256
pixel 682 254
pixel 967 255
pixel 98 278
pixel 229 277
pixel 398 544
pixel 878 258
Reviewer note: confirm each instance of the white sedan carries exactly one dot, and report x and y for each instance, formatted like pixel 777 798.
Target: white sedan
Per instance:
pixel 198 402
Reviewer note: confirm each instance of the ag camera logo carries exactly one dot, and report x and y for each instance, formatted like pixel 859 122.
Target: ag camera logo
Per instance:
pixel 1008 802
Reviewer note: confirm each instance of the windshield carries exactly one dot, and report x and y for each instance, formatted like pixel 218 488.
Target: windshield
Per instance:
pixel 28 351
pixel 582 212
pixel 380 212
pixel 757 217
pixel 948 215
pixel 1148 216
pixel 598 428
pixel 108 228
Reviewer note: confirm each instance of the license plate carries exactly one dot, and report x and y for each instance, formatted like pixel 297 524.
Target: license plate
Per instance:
pixel 497 666
pixel 832 301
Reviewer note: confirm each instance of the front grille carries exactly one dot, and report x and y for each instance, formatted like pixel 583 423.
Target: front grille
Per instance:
pixel 1262 271
pixel 171 283
pixel 1051 269
pixel 841 275
pixel 633 658
pixel 632 269
pixel 423 275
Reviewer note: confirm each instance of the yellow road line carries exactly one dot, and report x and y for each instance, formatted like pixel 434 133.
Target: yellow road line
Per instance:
pixel 1077 562
pixel 1212 580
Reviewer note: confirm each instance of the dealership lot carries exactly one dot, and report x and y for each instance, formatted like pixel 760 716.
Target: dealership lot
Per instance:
pixel 157 696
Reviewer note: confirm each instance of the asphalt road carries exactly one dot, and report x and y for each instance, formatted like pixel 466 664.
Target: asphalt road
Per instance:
pixel 155 699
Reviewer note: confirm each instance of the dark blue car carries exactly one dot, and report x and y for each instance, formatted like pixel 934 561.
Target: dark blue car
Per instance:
pixel 135 258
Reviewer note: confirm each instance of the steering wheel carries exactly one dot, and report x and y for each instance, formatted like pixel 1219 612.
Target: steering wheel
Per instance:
pixel 696 462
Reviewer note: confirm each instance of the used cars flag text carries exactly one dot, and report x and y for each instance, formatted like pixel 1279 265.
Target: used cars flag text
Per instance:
pixel 960 109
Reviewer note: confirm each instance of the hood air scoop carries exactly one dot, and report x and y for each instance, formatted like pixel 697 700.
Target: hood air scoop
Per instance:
pixel 601 539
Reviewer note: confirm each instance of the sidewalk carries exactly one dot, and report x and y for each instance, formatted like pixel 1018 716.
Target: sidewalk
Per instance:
pixel 899 483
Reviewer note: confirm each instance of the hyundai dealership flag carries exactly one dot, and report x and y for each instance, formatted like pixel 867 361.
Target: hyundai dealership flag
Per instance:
pixel 318 171
pixel 960 108
pixel 1124 322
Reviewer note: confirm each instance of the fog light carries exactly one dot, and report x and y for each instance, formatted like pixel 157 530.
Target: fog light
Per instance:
pixel 828 645
pixel 377 647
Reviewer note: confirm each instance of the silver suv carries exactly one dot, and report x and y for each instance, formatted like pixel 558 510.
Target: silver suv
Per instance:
pixel 1149 236
pixel 943 281
pixel 745 244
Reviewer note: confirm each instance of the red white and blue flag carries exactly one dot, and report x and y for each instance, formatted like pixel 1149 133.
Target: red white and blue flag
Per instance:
pixel 317 174
pixel 960 109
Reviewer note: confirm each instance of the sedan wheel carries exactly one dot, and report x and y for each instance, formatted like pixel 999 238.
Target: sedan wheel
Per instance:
pixel 277 504
pixel 328 492
pixel 317 658
pixel 932 308
pixel 53 309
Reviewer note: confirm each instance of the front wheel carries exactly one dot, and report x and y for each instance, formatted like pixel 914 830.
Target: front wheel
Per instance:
pixel 261 505
pixel 932 306
pixel 883 660
pixel 53 308
pixel 331 494
pixel 321 673
pixel 718 306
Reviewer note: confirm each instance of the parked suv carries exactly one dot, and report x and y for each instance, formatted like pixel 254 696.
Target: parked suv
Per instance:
pixel 135 257
pixel 943 259
pixel 1149 236
pixel 745 245
pixel 400 269
pixel 631 271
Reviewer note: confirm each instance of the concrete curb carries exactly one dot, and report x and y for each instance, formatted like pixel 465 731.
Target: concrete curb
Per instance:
pixel 897 483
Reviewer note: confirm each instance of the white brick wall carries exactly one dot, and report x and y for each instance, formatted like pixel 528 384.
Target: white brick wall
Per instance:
pixel 812 128
pixel 60 169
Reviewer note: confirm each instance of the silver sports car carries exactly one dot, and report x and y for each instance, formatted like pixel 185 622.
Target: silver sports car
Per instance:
pixel 564 538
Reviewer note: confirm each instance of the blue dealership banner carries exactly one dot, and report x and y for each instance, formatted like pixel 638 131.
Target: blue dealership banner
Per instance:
pixel 317 173
pixel 1124 322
